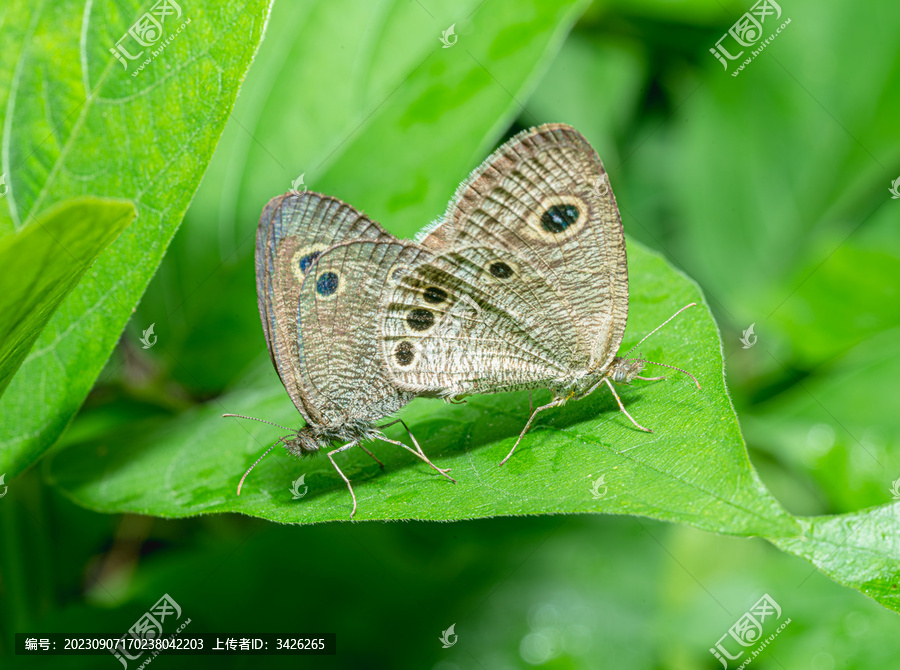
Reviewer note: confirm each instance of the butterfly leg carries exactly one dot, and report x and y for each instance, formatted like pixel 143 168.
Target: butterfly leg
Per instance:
pixel 554 403
pixel 343 476
pixel 652 379
pixel 622 407
pixel 372 455
pixel 419 454
pixel 408 432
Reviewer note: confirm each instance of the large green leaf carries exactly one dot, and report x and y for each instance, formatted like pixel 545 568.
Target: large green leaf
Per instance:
pixel 692 469
pixel 860 550
pixel 77 122
pixel 43 263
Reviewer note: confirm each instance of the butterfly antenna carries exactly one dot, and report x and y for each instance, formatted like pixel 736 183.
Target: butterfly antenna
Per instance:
pixel 693 304
pixel 253 418
pixel 672 367
pixel 241 483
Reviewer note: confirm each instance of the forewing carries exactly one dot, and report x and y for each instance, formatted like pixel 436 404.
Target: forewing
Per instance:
pixel 293 229
pixel 342 371
pixel 543 198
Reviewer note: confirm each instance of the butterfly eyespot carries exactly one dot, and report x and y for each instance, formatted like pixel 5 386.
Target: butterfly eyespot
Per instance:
pixel 559 217
pixel 420 319
pixel 434 295
pixel 500 270
pixel 404 353
pixel 302 260
pixel 327 283
pixel 308 260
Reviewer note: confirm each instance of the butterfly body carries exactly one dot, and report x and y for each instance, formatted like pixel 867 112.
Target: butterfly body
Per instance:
pixel 310 439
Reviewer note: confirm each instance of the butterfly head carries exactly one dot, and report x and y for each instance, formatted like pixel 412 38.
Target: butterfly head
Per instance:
pixel 314 437
pixel 302 442
pixel 623 370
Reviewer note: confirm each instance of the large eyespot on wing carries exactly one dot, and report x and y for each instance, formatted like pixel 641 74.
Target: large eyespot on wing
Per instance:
pixel 471 321
pixel 294 229
pixel 341 371
pixel 537 197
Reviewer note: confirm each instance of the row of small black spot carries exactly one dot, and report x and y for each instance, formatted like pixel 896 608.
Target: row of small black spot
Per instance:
pixel 418 319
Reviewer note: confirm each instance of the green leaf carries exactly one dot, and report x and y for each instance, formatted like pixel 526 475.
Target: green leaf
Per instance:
pixel 692 469
pixel 43 263
pixel 859 550
pixel 79 123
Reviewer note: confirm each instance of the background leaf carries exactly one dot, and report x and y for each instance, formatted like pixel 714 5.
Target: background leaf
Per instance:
pixel 78 123
pixel 42 264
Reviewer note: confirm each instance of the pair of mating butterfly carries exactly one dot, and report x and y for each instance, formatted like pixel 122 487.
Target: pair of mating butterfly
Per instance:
pixel 522 284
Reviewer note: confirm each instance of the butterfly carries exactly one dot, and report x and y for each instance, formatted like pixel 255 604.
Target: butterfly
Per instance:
pixel 314 259
pixel 522 284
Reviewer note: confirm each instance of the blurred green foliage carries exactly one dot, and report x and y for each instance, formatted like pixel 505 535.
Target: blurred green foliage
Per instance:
pixel 770 188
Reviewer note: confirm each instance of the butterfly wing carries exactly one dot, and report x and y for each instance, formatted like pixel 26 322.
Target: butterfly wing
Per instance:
pixel 474 320
pixel 340 370
pixel 544 196
pixel 531 254
pixel 293 230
